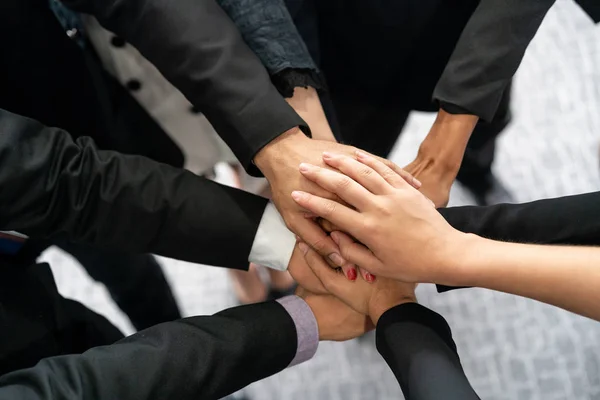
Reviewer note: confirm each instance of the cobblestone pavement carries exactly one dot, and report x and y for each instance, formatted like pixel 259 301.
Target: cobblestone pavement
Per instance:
pixel 511 348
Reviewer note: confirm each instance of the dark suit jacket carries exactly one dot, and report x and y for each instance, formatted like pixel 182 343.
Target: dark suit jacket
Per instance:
pixel 55 186
pixel 490 49
pixel 193 43
pixel 210 357
pixel 194 358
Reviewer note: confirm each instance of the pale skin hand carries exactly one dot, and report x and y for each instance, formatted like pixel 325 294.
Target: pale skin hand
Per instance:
pixel 432 251
pixel 364 298
pixel 279 162
pixel 377 218
pixel 336 320
pixel 441 153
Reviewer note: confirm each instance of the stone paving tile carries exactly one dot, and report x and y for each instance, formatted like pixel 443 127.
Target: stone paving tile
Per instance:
pixel 511 348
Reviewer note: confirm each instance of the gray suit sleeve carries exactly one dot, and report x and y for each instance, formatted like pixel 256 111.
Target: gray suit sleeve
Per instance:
pixel 488 54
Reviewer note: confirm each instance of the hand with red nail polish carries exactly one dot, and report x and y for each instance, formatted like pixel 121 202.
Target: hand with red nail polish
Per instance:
pixel 372 299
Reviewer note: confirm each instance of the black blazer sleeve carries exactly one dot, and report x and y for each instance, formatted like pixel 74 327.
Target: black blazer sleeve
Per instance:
pixel 564 220
pixel 198 48
pixel 195 358
pixel 488 53
pixel 417 345
pixel 52 185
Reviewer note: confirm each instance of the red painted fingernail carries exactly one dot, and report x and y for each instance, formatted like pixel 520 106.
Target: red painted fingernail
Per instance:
pixel 352 274
pixel 370 278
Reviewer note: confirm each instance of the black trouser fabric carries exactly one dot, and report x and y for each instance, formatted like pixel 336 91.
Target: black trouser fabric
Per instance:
pixel 382 60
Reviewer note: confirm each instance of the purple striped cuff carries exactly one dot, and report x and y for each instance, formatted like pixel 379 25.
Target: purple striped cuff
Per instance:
pixel 306 328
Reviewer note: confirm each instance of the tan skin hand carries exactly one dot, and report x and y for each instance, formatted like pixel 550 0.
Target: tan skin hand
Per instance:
pixel 440 155
pixel 336 320
pixel 368 299
pixel 279 162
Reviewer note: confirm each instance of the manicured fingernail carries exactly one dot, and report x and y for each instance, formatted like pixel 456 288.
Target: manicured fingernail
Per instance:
pixel 327 155
pixel 352 274
pixel 304 167
pixel 336 258
pixel 335 237
pixel 370 278
pixel 417 182
pixel 297 195
pixel 303 247
pixel 360 154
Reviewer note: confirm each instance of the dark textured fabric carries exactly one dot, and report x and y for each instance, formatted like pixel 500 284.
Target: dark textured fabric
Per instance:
pixel 289 79
pixel 268 29
pixel 194 358
pixel 198 49
pixel 417 345
pixel 126 203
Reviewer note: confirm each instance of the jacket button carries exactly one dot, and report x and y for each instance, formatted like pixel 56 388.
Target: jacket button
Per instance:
pixel 117 41
pixel 73 33
pixel 195 110
pixel 133 85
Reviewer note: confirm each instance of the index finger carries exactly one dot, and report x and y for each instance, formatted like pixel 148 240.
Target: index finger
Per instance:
pixel 397 178
pixel 338 214
pixel 330 279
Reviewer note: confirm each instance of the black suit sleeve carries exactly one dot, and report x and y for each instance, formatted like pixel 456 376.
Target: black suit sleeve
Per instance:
pixel 194 358
pixel 488 53
pixel 52 185
pixel 562 220
pixel 571 220
pixel 417 345
pixel 198 48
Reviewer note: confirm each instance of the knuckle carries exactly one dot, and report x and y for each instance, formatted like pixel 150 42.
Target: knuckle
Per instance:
pixel 366 172
pixel 330 208
pixel 369 225
pixel 319 245
pixel 343 182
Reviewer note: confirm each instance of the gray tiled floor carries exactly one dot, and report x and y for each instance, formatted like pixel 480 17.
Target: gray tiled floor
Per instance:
pixel 511 348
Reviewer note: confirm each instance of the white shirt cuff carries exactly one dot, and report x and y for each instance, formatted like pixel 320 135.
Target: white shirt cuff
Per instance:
pixel 274 243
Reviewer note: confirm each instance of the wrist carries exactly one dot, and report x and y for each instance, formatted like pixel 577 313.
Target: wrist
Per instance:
pixel 460 261
pixel 376 310
pixel 273 153
pixel 325 330
pixel 445 144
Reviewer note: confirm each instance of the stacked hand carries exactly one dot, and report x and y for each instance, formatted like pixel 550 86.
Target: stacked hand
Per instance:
pixel 374 191
pixel 279 162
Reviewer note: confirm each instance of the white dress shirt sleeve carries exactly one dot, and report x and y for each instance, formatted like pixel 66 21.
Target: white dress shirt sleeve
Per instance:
pixel 274 242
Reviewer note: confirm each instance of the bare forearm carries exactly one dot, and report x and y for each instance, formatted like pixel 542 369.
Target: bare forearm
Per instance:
pixel 307 104
pixel 447 140
pixel 564 276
